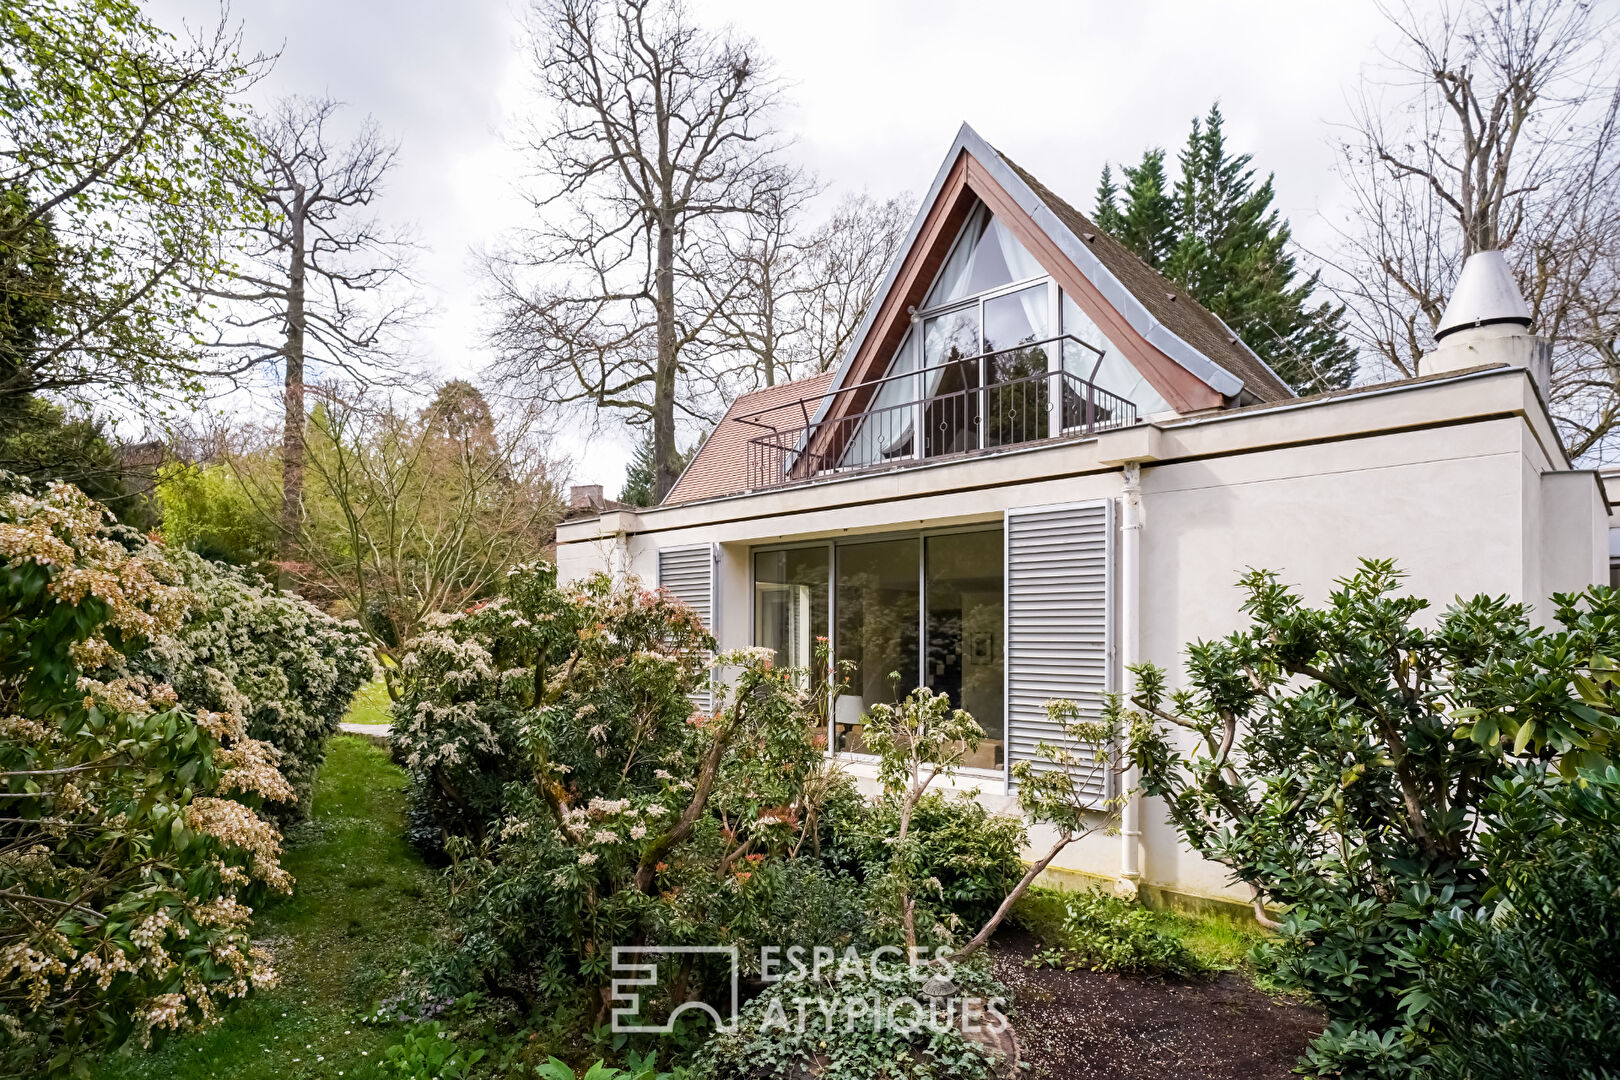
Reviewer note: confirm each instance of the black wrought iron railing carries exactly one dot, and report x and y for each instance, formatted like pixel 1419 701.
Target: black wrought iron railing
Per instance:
pixel 1006 397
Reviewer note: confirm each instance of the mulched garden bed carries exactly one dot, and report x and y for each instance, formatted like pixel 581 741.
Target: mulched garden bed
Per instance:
pixel 1075 1025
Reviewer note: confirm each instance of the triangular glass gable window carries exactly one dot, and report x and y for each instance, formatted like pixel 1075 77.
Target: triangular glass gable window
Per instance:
pixel 986 256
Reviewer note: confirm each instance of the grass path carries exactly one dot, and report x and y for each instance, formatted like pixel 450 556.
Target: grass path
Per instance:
pixel 361 906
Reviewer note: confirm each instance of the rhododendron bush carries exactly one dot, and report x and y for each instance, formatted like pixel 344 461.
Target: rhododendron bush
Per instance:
pixel 130 847
pixel 627 813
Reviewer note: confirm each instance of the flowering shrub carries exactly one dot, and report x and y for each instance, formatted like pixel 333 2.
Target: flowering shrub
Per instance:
pixel 130 840
pixel 626 814
pixel 287 668
pixel 614 669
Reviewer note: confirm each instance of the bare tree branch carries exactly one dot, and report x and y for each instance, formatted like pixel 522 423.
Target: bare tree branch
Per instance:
pixel 320 285
pixel 661 142
pixel 1492 126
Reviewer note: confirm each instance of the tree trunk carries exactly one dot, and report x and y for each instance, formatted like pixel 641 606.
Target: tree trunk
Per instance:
pixel 768 331
pixel 292 430
pixel 665 472
pixel 1012 898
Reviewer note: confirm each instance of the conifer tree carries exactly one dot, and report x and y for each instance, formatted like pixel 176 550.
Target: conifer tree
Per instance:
pixel 1107 213
pixel 641 472
pixel 1225 243
pixel 1147 220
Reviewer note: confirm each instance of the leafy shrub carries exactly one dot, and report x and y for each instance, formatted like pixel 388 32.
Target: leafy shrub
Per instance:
pixel 426 1052
pixel 923 739
pixel 1353 767
pixel 130 843
pixel 850 1030
pixel 969 857
pixel 1529 985
pixel 624 815
pixel 208 510
pixel 637 1068
pixel 286 667
pixel 1098 931
pixel 1528 982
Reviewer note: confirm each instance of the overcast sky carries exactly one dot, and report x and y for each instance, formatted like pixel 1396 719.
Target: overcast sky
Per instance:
pixel 879 88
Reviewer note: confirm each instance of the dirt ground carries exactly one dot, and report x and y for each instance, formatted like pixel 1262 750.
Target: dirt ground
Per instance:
pixel 1076 1025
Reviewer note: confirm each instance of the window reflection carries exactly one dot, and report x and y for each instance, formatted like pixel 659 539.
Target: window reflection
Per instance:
pixel 1017 389
pixel 790 605
pixel 950 351
pixel 965 602
pixel 907 611
pixel 878 590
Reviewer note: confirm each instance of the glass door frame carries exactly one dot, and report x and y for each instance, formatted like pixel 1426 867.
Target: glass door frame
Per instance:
pixel 831 545
pixel 919 321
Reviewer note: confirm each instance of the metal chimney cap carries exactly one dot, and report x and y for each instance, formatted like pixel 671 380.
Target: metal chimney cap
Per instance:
pixel 1485 294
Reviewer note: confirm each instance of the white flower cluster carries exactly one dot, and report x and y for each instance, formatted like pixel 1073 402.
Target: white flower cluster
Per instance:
pixel 235 825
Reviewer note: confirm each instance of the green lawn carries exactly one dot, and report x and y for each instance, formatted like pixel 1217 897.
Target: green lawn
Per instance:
pixel 1220 944
pixel 371 705
pixel 361 909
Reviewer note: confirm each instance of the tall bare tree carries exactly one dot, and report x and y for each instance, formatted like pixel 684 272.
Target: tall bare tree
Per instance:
pixel 1492 125
pixel 323 282
pixel 756 284
pixel 846 258
pixel 660 141
pixel 798 294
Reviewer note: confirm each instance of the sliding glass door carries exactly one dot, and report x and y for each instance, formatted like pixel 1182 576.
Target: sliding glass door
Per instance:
pixel 964 602
pixel 1017 389
pixel 919 609
pixel 877 594
pixel 790 604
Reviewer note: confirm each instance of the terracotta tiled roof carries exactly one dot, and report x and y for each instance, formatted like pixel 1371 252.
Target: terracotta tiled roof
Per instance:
pixel 721 466
pixel 1182 316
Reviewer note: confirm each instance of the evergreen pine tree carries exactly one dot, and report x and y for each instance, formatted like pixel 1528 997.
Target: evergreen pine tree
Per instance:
pixel 1106 213
pixel 640 473
pixel 1147 221
pixel 1229 248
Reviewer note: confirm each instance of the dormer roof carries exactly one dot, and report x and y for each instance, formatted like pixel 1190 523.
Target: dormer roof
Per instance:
pixel 1163 331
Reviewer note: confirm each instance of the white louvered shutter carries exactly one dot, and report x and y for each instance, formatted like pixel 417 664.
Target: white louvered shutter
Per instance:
pixel 688 574
pixel 1060 604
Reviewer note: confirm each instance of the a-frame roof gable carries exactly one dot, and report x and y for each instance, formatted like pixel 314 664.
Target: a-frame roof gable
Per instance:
pixel 1169 338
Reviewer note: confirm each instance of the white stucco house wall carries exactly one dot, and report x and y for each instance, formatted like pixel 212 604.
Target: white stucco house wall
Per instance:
pixel 1037 464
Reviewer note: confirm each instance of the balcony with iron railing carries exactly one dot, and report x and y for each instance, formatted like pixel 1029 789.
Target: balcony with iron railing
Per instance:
pixel 966 405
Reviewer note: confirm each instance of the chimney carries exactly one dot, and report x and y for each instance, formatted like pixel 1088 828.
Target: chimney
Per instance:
pixel 585 497
pixel 1487 322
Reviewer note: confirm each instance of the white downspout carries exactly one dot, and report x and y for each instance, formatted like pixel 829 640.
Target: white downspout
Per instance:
pixel 1130 600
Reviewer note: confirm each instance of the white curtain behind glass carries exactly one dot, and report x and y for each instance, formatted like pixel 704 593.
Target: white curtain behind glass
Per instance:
pixel 986 256
pixel 1117 374
pixel 887 428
